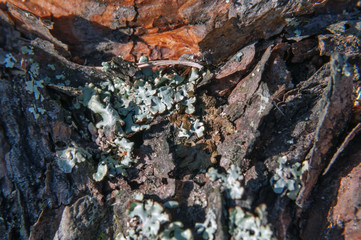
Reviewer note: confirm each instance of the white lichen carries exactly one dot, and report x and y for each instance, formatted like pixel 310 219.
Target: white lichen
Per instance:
pixel 150 214
pixel 33 87
pixel 101 171
pixel 9 61
pixel 129 107
pixel 209 227
pixel 197 128
pixel 110 118
pixel 230 181
pixel 175 231
pixel 244 225
pixel 69 157
pixel 287 177
pixel 27 50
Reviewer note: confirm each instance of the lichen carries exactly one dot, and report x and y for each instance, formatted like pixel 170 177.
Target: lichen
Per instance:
pixel 149 219
pixel 150 214
pixel 34 69
pixel 101 171
pixel 36 111
pixel 196 127
pixel 129 107
pixel 230 181
pixel 111 120
pixel 60 77
pixel 33 87
pixel 51 67
pixel 9 61
pixel 209 227
pixel 287 177
pixel 69 157
pixel 29 50
pixel 175 231
pixel 241 223
pixel 244 225
pixel 152 222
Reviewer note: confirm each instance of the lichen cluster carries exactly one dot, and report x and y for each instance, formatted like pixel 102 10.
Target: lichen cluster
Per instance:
pixel 287 177
pixel 209 227
pixel 149 219
pixel 123 108
pixel 34 83
pixel 69 157
pixel 153 223
pixel 241 223
pixel 246 225
pixel 127 107
pixel 230 181
pixel 8 61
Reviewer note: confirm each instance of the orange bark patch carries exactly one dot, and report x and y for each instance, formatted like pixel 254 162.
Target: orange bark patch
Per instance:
pixel 174 44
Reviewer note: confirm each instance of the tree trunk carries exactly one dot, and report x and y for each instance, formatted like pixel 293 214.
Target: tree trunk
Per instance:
pixel 242 121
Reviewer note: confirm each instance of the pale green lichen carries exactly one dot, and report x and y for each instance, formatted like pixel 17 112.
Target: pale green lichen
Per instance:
pixel 153 223
pixel 166 95
pixel 171 204
pixel 142 114
pixel 180 93
pixel 287 177
pixel 29 50
pixel 238 56
pixel 196 128
pixel 298 32
pixel 36 111
pixel 157 106
pixel 105 66
pixel 151 215
pixel 9 61
pixel 101 171
pixel 244 225
pixel 110 167
pixel 34 69
pixel 143 59
pixel 126 108
pixel 144 94
pixel 132 126
pixel 33 87
pixel 110 117
pixel 209 227
pixel 230 181
pixel 41 110
pixel 175 231
pixel 69 157
pixel 51 67
pixel 60 77
pixel 125 147
pixel 190 109
pixel 150 220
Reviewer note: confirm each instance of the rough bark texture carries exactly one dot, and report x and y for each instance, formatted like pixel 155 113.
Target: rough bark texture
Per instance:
pixel 281 81
pixel 96 30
